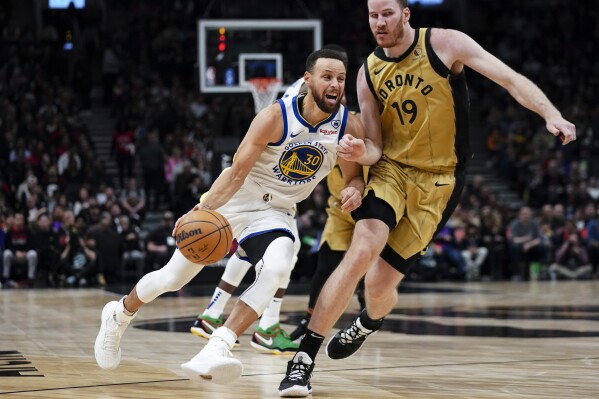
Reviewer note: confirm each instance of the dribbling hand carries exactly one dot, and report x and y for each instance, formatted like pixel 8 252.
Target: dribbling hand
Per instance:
pixel 174 232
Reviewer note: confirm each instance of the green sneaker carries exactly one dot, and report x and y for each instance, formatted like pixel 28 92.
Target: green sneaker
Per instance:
pixel 273 340
pixel 204 326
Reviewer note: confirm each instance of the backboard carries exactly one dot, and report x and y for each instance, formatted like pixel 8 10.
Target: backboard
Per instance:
pixel 232 51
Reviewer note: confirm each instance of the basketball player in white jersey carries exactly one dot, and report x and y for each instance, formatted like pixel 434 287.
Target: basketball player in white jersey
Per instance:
pixel 269 337
pixel 289 147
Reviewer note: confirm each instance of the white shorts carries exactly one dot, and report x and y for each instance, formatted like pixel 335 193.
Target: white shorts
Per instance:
pixel 250 215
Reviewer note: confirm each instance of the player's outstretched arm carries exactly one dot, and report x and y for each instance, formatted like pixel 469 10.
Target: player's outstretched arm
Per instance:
pixel 457 47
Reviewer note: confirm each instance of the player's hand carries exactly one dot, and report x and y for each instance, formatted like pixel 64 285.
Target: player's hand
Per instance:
pixel 559 127
pixel 195 208
pixel 179 221
pixel 350 148
pixel 351 199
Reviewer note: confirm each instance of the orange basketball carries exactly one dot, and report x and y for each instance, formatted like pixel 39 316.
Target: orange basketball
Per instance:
pixel 204 236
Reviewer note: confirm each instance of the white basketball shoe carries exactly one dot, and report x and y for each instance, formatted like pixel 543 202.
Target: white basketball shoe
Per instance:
pixel 107 348
pixel 215 362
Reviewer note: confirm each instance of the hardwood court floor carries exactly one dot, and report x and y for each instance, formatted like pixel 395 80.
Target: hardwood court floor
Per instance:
pixel 444 340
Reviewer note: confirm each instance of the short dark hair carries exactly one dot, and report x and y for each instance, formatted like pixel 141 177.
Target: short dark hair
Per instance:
pixel 324 53
pixel 337 48
pixel 403 3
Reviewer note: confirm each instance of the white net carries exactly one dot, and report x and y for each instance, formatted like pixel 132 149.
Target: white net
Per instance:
pixel 264 91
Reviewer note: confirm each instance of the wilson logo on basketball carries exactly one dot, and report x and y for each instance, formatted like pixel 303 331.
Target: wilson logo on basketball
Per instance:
pixel 184 235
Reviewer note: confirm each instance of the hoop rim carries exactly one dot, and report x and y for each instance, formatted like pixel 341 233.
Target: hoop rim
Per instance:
pixel 262 83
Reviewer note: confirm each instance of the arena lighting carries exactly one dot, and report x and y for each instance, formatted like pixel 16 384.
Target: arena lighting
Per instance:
pixel 64 4
pixel 425 3
pixel 222 45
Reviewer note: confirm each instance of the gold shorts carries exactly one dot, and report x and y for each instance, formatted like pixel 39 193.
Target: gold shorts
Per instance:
pixel 339 227
pixel 419 199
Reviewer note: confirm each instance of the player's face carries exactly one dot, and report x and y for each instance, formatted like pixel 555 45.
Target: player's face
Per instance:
pixel 387 19
pixel 327 83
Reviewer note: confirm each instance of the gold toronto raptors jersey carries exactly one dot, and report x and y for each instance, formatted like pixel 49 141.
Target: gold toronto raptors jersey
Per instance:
pixel 424 108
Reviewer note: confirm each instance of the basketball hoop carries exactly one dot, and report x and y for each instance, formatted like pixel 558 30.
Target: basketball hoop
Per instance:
pixel 264 91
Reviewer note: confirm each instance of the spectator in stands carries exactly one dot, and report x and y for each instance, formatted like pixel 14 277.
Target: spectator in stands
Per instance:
pixel 160 244
pixel 108 247
pixel 474 252
pixel 123 148
pixel 78 260
pixel 448 253
pixel 182 188
pixel 592 242
pixel 69 159
pixel 152 163
pixel 133 201
pixel 33 208
pixel 116 212
pixel 46 245
pixel 172 167
pixel 571 260
pixel 131 244
pixel 19 250
pixel 524 241
pixel 83 200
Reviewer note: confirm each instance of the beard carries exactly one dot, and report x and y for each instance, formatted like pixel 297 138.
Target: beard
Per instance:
pixel 392 37
pixel 324 106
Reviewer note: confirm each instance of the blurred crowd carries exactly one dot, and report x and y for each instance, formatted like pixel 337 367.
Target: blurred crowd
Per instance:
pixel 65 222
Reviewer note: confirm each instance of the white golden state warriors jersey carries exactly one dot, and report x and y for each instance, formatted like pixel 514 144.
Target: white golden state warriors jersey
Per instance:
pixel 288 170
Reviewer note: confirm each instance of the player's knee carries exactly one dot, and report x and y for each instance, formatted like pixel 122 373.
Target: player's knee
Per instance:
pixel 171 282
pixel 360 258
pixel 378 292
pixel 277 273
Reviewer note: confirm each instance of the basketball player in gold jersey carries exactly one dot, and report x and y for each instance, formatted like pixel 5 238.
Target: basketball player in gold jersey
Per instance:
pixel 414 104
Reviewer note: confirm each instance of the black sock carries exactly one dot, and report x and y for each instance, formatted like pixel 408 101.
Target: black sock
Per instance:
pixel 311 343
pixel 370 323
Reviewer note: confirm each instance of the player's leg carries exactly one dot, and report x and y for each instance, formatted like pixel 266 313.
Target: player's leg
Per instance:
pixel 272 254
pixel 269 336
pixel 381 283
pixel 332 302
pixel 375 219
pixel 212 317
pixel 406 243
pixel 116 315
pixel 326 263
pixel 336 237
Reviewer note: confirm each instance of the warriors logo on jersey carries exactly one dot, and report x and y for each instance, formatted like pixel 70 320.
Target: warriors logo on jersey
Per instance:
pixel 301 162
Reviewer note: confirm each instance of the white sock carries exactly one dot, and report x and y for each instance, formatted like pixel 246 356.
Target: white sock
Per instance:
pixel 271 314
pixel 123 315
pixel 217 304
pixel 223 334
